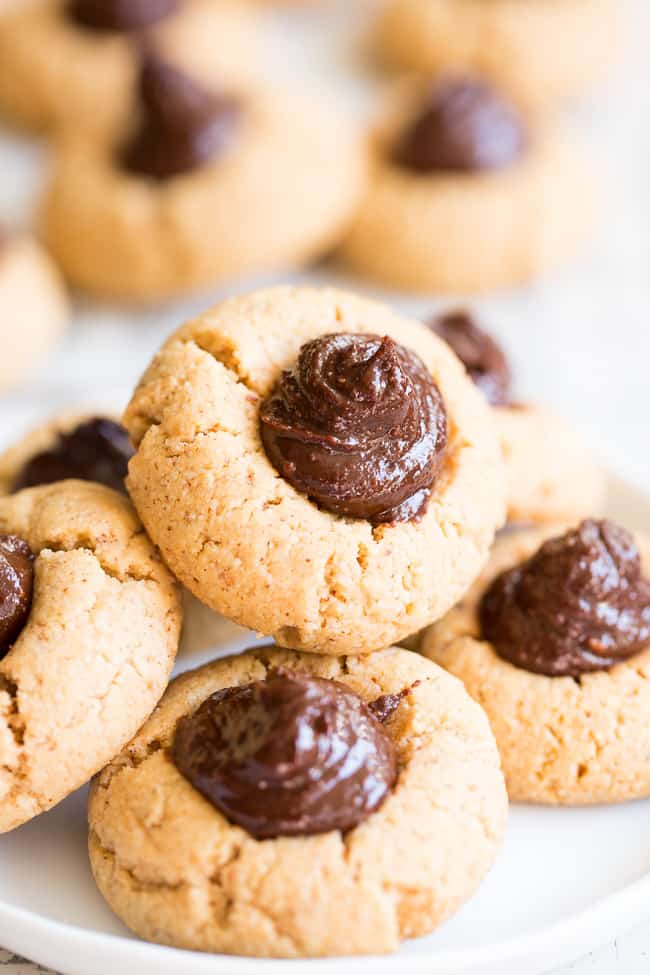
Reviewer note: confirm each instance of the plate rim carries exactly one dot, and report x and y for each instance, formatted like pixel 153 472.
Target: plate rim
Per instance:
pixel 631 903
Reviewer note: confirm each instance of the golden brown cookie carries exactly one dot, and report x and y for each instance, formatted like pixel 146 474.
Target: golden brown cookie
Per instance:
pixel 563 739
pixel 550 474
pixel 252 546
pixel 190 878
pixel 505 40
pixel 95 650
pixel 57 72
pixel 33 309
pixel 152 214
pixel 491 197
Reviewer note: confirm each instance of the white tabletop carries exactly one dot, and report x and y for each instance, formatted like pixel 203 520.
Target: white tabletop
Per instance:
pixel 580 342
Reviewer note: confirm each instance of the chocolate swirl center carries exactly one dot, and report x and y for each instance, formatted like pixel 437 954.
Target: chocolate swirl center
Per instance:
pixel 96 450
pixel 484 360
pixel 16 586
pixel 291 755
pixel 463 126
pixel 182 127
pixel 359 426
pixel 579 604
pixel 120 15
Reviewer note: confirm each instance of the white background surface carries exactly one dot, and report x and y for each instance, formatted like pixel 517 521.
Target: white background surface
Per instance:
pixel 580 342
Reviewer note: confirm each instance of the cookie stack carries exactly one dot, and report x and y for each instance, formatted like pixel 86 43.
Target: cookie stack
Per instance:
pixel 308 463
pixel 439 617
pixel 329 474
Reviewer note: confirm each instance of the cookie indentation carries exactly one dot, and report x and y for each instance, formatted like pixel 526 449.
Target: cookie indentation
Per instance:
pixel 483 358
pixel 291 755
pixel 579 604
pixel 359 426
pixel 463 126
pixel 183 126
pixel 16 587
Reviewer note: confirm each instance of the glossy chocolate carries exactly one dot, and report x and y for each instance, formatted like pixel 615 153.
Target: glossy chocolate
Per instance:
pixel 291 755
pixel 359 426
pixel 463 126
pixel 579 604
pixel 16 586
pixel 182 126
pixel 385 706
pixel 96 450
pixel 484 360
pixel 120 15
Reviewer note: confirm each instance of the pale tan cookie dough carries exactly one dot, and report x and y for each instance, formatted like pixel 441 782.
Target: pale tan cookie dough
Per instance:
pixel 243 540
pixel 56 74
pixel 282 195
pixel 33 309
pixel 96 652
pixel 187 877
pixel 550 475
pixel 475 231
pixel 562 741
pixel 546 50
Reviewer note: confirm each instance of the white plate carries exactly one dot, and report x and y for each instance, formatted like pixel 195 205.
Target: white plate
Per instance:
pixel 567 881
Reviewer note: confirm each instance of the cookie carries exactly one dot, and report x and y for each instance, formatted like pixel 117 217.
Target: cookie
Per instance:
pixel 135 219
pixel 580 735
pixel 191 877
pixel 255 546
pixel 74 64
pixel 505 40
pixel 72 445
pixel 469 192
pixel 33 305
pixel 550 475
pixel 89 624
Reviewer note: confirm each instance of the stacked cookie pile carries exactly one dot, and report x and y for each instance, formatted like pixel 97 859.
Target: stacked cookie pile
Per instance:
pixel 328 474
pixel 440 619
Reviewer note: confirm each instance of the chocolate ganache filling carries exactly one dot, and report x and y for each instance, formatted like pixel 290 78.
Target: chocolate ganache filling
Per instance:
pixel 463 126
pixel 291 755
pixel 120 15
pixel 359 426
pixel 96 450
pixel 16 586
pixel 579 604
pixel 484 360
pixel 182 126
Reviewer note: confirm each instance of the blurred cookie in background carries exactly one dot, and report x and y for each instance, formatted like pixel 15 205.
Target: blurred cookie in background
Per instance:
pixel 470 192
pixel 75 62
pixel 200 187
pixel 548 52
pixel 550 474
pixel 33 308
